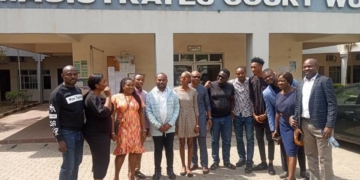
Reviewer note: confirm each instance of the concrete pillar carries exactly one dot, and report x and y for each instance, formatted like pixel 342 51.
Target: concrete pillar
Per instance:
pixel 257 45
pixel 39 58
pixel 344 62
pixel 164 54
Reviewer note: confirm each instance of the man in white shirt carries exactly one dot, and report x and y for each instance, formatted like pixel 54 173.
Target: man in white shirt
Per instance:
pixel 162 109
pixel 315 114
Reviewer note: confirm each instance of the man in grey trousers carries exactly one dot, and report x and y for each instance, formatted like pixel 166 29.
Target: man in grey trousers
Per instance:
pixel 204 122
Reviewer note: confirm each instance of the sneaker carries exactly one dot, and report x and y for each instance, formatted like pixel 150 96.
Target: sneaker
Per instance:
pixel 271 170
pixel 240 163
pixel 261 166
pixel 248 168
pixel 283 175
pixel 171 174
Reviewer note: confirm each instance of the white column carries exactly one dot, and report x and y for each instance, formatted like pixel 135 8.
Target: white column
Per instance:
pixel 344 62
pixel 164 55
pixel 257 45
pixel 39 58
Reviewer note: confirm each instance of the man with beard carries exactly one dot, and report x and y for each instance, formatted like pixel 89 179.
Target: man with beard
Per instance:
pixel 67 120
pixel 257 86
pixel 270 97
pixel 221 95
pixel 162 109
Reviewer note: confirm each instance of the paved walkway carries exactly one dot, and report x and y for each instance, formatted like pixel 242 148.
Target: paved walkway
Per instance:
pixel 41 161
pixel 31 125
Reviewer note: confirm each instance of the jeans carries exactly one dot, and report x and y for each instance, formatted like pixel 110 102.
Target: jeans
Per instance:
pixel 167 141
pixel 223 126
pixel 73 156
pixel 239 124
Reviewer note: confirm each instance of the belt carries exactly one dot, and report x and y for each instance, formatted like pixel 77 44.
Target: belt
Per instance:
pixel 306 119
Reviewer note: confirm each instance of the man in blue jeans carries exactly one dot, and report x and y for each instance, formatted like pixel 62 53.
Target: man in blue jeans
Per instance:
pixel 67 120
pixel 243 118
pixel 221 96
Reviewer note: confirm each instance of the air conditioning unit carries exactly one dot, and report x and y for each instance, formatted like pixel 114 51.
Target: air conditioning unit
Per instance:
pixel 330 57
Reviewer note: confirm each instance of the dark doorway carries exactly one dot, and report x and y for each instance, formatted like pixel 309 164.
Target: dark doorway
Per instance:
pixel 60 79
pixel 356 74
pixel 5 85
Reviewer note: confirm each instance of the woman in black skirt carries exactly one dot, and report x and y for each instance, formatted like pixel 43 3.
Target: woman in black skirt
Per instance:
pixel 98 127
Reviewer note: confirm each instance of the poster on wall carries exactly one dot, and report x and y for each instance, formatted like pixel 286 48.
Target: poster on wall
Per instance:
pixel 82 68
pixel 126 66
pixel 292 66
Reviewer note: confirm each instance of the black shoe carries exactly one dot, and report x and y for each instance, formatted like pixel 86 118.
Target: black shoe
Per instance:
pixel 157 175
pixel 139 175
pixel 240 163
pixel 261 166
pixel 271 170
pixel 283 175
pixel 248 168
pixel 305 175
pixel 171 174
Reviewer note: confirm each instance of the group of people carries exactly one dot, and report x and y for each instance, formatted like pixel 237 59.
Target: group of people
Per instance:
pixel 272 105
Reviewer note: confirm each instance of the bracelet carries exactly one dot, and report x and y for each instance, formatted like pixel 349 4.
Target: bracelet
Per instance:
pixel 209 117
pixel 112 133
pixel 144 130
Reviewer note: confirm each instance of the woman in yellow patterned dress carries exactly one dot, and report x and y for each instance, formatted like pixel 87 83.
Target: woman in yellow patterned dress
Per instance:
pixel 132 132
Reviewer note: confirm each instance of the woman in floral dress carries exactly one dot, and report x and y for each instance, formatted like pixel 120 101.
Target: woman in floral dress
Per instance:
pixel 132 132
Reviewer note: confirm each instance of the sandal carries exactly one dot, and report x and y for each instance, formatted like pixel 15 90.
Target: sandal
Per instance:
pixel 230 166
pixel 206 170
pixel 214 166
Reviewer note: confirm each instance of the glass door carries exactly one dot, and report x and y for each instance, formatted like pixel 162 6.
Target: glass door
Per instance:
pixel 208 72
pixel 178 69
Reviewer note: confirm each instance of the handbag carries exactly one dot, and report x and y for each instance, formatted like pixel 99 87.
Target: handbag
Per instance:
pixel 298 137
pixel 117 123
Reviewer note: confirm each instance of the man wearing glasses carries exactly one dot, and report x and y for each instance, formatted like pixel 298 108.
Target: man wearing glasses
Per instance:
pixel 221 94
pixel 204 123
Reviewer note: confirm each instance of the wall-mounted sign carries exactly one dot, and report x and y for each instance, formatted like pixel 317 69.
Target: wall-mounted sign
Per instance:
pixel 192 5
pixel 194 48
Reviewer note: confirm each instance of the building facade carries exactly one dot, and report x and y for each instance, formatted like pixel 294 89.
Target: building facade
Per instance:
pixel 173 36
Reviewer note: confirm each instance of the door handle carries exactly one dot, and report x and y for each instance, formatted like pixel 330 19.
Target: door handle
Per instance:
pixel 349 112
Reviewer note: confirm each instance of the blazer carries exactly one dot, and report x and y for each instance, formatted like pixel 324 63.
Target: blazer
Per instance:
pixel 322 103
pixel 269 96
pixel 153 111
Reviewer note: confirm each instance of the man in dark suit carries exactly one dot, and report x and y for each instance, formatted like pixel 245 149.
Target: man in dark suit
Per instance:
pixel 315 113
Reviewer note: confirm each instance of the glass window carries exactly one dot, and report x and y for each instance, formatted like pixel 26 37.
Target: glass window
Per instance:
pixel 335 73
pixel 216 57
pixel 176 58
pixel 24 72
pixel 187 57
pixel 348 95
pixel 201 57
pixel 32 72
pixel 45 72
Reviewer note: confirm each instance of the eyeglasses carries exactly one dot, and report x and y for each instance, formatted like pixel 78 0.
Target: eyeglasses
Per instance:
pixel 196 77
pixel 221 77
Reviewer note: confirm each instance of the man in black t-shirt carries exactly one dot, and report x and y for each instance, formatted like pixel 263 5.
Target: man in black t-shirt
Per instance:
pixel 221 96
pixel 256 87
pixel 66 120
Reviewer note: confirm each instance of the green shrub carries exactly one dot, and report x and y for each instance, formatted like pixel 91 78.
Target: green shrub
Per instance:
pixel 337 86
pixel 18 97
